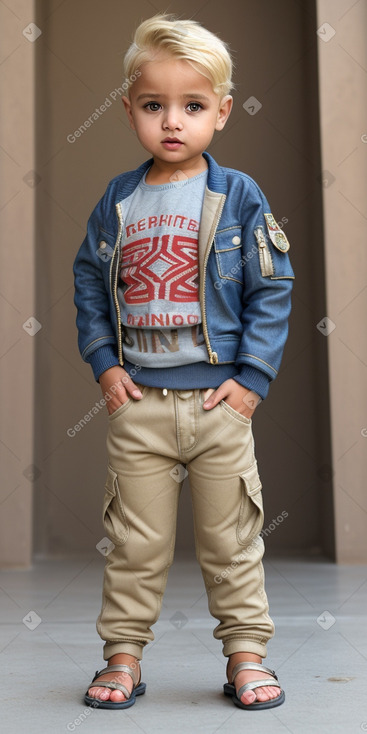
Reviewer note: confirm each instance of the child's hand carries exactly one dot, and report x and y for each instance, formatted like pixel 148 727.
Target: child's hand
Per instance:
pixel 240 398
pixel 117 385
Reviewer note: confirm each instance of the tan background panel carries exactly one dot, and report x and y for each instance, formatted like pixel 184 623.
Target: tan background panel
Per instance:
pixel 63 76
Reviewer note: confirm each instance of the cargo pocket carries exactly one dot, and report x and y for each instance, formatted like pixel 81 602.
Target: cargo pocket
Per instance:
pixel 251 516
pixel 114 518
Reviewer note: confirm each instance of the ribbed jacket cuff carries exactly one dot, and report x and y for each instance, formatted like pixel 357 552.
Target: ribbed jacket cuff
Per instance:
pixel 254 380
pixel 102 359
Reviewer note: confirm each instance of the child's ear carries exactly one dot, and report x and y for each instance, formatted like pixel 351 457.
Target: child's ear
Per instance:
pixel 127 105
pixel 224 111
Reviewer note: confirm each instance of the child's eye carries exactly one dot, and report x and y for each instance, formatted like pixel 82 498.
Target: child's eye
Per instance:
pixel 152 106
pixel 195 105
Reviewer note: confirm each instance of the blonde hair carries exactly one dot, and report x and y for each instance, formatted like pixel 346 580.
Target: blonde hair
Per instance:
pixel 183 39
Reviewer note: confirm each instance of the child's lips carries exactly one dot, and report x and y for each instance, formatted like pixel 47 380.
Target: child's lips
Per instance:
pixel 172 143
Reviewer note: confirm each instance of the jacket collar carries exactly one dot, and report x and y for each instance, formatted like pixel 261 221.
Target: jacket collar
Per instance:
pixel 216 179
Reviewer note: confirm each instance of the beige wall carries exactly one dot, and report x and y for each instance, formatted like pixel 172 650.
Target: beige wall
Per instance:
pixel 343 122
pixel 78 65
pixel 17 296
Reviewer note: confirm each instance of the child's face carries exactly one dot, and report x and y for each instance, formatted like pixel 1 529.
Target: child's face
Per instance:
pixel 172 100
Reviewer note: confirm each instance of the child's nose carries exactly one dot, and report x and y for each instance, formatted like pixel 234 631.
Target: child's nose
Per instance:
pixel 172 119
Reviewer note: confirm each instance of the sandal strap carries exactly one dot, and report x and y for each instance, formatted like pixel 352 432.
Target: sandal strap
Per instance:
pixel 111 684
pixel 121 668
pixel 256 684
pixel 252 666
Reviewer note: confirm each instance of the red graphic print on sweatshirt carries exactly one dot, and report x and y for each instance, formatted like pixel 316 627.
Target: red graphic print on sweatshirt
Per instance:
pixel 162 267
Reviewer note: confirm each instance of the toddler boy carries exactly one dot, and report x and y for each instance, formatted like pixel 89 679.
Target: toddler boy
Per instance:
pixel 183 292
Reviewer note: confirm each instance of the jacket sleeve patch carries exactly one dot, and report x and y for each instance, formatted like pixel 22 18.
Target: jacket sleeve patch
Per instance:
pixel 276 234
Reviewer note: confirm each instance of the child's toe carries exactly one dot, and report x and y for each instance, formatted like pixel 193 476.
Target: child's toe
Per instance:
pixel 248 697
pixel 102 693
pixel 117 696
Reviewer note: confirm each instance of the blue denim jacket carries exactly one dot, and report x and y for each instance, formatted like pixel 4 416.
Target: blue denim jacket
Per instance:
pixel 245 279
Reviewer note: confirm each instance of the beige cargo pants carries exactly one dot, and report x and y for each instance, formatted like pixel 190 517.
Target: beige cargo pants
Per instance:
pixel 152 444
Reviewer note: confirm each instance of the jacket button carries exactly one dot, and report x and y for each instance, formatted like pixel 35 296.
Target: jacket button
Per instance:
pixel 236 240
pixel 102 245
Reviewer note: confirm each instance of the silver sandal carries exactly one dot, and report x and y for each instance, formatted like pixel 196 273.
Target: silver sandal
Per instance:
pixel 138 689
pixel 230 689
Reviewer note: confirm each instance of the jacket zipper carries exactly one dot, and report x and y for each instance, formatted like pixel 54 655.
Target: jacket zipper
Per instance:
pixel 266 263
pixel 114 290
pixel 213 356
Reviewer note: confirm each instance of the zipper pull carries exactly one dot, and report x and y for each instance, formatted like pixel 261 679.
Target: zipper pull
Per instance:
pixel 266 263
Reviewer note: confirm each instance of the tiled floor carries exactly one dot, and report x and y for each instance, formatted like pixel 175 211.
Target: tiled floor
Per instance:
pixel 319 652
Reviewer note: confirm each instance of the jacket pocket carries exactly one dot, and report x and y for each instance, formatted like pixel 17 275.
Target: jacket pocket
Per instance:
pixel 113 516
pixel 228 253
pixel 251 515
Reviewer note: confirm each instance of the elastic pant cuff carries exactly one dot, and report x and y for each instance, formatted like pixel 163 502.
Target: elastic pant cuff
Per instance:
pixel 113 648
pixel 244 646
